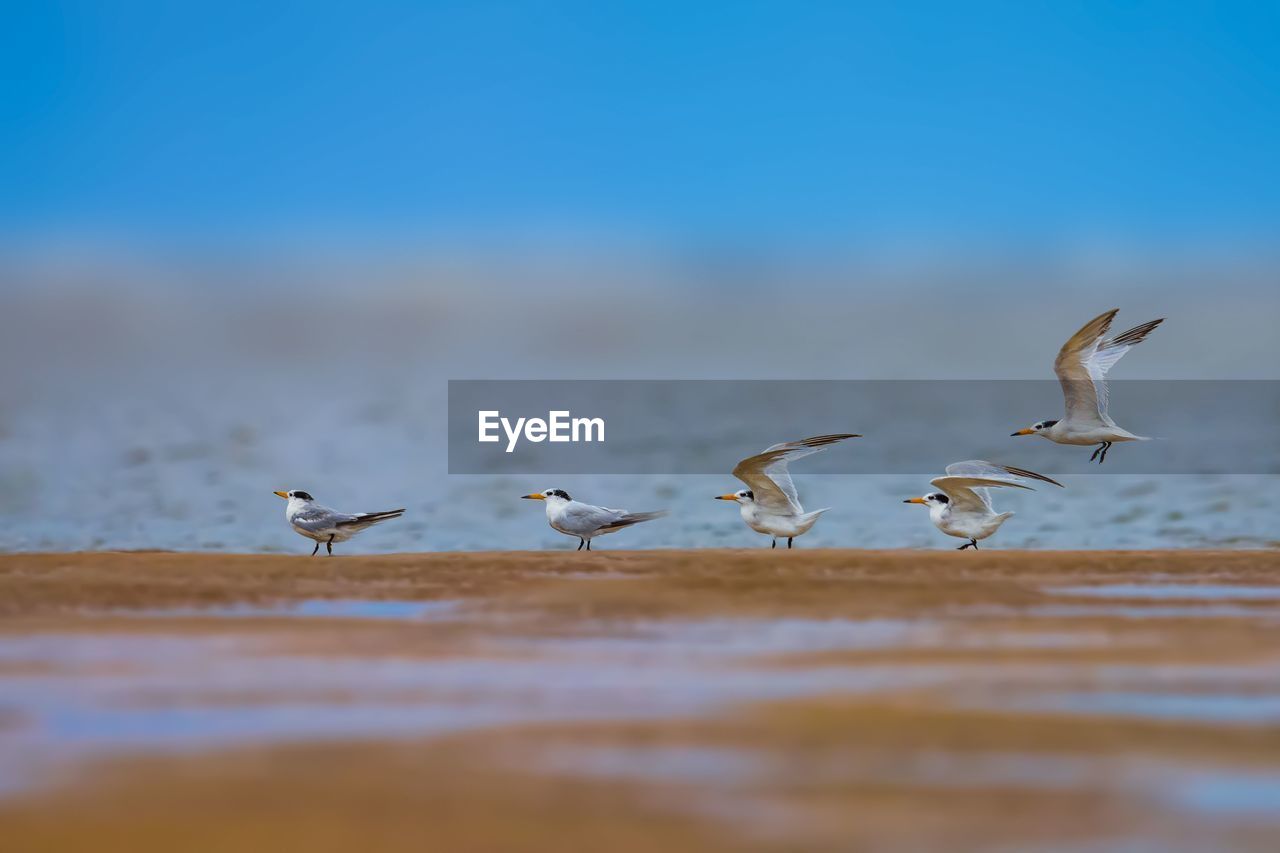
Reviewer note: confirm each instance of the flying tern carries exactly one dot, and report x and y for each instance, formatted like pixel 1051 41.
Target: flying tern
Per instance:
pixel 1082 366
pixel 585 521
pixel 325 525
pixel 962 505
pixel 771 505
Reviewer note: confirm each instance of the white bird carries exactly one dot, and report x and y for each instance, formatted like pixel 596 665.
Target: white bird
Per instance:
pixel 1082 366
pixel 771 505
pixel 586 521
pixel 962 506
pixel 322 524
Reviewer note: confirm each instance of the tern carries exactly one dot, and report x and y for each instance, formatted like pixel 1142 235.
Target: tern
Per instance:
pixel 962 505
pixel 1082 366
pixel 771 505
pixel 586 521
pixel 322 524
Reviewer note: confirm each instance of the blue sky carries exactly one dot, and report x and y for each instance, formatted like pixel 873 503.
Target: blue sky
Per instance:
pixel 736 119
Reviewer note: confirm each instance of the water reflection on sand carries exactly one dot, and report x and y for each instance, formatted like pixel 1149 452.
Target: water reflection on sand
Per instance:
pixel 757 717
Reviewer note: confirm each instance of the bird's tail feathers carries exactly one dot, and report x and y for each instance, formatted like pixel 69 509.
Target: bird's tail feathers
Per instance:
pixel 373 517
pixel 634 518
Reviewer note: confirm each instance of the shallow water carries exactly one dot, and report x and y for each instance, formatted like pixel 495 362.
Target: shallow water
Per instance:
pixel 1218 707
pixel 1207 789
pixel 77 694
pixel 317 608
pixel 778 696
pixel 1160 591
pixel 181 449
pixel 120 693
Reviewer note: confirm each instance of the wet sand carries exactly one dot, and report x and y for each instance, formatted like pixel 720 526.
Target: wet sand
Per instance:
pixel 633 700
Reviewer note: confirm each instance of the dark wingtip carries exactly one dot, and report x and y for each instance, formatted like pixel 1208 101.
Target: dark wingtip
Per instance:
pixel 1138 333
pixel 1022 472
pixel 823 440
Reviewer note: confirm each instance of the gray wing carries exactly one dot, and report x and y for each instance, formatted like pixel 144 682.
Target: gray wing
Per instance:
pixel 585 518
pixel 769 479
pixel 317 519
pixel 1111 351
pixel 1084 361
pixel 1079 390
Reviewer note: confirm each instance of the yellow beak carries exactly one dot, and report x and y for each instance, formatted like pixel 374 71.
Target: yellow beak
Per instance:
pixel 1027 431
pixel 281 494
pixel 726 497
pixel 914 501
pixel 536 496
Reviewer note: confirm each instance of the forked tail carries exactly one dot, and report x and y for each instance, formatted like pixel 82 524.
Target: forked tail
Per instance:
pixel 810 517
pixel 364 519
pixel 633 518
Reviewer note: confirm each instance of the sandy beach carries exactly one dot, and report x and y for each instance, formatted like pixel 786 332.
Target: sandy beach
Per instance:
pixel 702 699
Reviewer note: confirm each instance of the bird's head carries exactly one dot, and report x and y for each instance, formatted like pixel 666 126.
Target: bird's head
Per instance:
pixel 931 500
pixel 295 495
pixel 1036 428
pixel 549 495
pixel 742 496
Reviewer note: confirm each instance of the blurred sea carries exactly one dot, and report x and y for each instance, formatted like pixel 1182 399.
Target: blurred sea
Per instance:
pixel 157 402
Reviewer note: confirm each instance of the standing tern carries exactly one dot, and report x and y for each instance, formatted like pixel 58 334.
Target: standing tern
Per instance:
pixel 1082 366
pixel 585 521
pixel 771 505
pixel 322 524
pixel 962 505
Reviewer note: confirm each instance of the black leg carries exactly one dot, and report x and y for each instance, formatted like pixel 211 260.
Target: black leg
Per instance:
pixel 789 538
pixel 1097 450
pixel 972 543
pixel 316 549
pixel 1106 445
pixel 588 544
pixel 329 545
pixel 775 544
pixel 581 542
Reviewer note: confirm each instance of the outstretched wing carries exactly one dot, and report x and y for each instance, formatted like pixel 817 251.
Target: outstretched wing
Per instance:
pixel 1072 367
pixel 967 483
pixel 767 476
pixel 1109 352
pixel 1083 363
